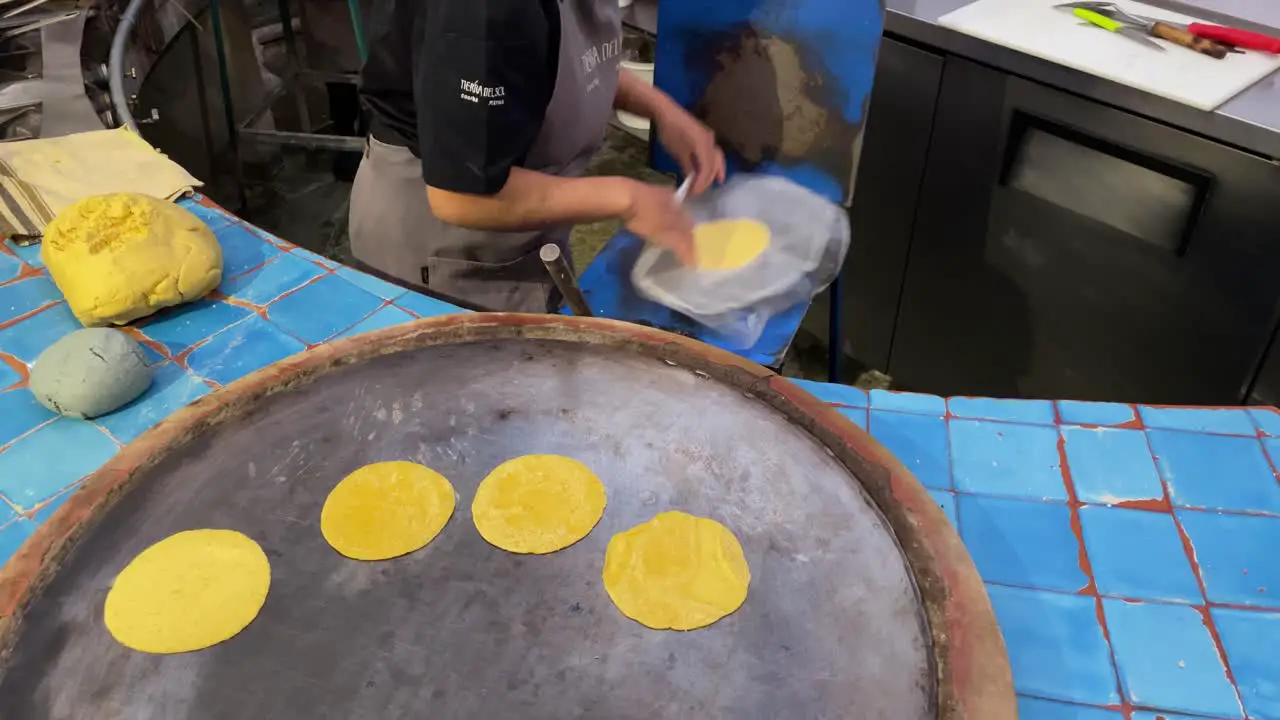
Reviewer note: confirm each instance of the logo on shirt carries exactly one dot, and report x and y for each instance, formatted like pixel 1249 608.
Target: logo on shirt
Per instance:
pixel 604 52
pixel 473 91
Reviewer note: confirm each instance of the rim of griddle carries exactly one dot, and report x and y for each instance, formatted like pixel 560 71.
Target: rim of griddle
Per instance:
pixel 973 680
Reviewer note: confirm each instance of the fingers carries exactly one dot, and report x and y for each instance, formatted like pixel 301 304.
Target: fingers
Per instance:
pixel 708 164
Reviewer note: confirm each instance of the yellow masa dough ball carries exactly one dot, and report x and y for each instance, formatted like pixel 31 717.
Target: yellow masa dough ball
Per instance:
pixel 386 510
pixel 538 504
pixel 189 591
pixel 676 572
pixel 124 256
pixel 729 244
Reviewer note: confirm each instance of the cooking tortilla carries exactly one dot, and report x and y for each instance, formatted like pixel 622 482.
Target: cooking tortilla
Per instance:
pixel 386 510
pixel 538 504
pixel 187 592
pixel 676 572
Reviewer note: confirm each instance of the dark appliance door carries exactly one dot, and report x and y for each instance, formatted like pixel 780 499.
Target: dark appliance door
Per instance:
pixel 1064 248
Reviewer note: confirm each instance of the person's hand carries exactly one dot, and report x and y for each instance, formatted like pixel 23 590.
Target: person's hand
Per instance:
pixel 692 145
pixel 655 215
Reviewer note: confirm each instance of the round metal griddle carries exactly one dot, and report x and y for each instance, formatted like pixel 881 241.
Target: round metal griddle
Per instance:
pixel 862 603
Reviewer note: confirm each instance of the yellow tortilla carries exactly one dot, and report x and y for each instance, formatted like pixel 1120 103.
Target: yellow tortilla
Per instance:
pixel 729 244
pixel 386 510
pixel 188 591
pixel 676 572
pixel 538 504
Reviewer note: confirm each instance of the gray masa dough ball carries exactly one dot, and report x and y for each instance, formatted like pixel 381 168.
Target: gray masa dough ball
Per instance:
pixel 90 373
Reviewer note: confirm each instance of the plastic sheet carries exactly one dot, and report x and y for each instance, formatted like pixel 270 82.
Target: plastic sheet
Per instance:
pixel 809 236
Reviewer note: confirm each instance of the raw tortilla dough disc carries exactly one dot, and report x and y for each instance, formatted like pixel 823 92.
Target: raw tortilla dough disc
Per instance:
pixel 386 510
pixel 538 504
pixel 729 244
pixel 677 572
pixel 188 591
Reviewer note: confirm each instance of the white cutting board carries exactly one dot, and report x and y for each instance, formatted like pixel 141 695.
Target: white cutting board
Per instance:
pixel 1036 27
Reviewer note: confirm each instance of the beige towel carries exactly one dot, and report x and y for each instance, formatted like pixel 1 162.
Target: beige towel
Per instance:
pixel 38 178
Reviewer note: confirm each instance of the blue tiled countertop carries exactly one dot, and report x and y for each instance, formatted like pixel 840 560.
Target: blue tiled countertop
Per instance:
pixel 1131 553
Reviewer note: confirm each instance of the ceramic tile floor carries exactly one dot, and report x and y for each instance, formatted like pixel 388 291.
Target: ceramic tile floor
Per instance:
pixel 1129 551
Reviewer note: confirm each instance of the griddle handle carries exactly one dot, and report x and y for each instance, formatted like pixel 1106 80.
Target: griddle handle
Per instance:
pixel 562 276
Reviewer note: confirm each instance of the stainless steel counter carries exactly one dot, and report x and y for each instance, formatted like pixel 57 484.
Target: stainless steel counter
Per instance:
pixel 1251 120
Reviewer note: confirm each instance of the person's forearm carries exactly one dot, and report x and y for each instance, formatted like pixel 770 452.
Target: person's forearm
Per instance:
pixel 531 200
pixel 640 98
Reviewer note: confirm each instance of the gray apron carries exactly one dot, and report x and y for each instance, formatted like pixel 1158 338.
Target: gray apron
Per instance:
pixel 391 224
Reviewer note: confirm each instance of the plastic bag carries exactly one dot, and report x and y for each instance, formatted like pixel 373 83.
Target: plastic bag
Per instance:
pixel 809 236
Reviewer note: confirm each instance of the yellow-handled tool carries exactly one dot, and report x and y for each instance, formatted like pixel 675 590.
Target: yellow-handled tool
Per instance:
pixel 1117 27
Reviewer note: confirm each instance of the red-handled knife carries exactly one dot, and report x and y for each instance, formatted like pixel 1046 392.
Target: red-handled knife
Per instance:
pixel 1239 38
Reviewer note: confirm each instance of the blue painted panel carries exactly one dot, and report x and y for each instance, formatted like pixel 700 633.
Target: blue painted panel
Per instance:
pixel 822 52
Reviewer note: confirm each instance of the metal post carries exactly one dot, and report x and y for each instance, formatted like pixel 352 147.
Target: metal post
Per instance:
pixel 562 276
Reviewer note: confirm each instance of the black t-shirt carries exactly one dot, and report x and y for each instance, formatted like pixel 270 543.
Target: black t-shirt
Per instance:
pixel 463 84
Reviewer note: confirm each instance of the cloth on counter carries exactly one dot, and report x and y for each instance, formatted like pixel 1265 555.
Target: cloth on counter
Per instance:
pixel 39 178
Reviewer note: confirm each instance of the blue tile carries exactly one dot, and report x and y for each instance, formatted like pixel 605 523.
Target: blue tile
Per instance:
pixel 178 328
pixel 383 318
pixel 29 254
pixel 8 377
pixel 1267 420
pixel 1224 421
pixel 25 296
pixel 371 284
pixel 1036 412
pixel 1215 471
pixel 1250 639
pixel 1055 644
pixel 241 349
pixel 426 307
pixel 172 388
pixel 242 250
pixel 42 464
pixel 908 402
pixel 46 509
pixel 27 339
pixel 1167 659
pixel 1237 556
pixel 918 441
pixel 1165 715
pixel 833 393
pixel 10 267
pixel 322 309
pixel 1037 709
pixel 20 413
pixel 272 280
pixel 1138 554
pixel 947 501
pixel 1110 465
pixel 1020 542
pixel 309 256
pixel 857 415
pixel 1006 459
pixel 12 536
pixel 211 217
pixel 1076 412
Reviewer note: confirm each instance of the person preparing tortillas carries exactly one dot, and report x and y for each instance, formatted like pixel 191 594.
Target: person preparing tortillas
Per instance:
pixel 484 115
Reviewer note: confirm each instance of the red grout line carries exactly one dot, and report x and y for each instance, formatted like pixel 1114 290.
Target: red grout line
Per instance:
pixel 1138 600
pixel 24 375
pixel 1091 588
pixel 5 324
pixel 1205 616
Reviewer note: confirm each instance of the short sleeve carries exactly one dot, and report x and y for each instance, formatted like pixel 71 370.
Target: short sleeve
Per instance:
pixel 483 77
